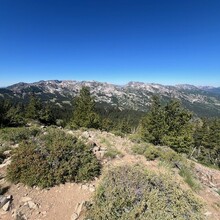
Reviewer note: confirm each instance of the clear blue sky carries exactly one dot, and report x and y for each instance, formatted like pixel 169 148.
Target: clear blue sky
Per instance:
pixel 161 41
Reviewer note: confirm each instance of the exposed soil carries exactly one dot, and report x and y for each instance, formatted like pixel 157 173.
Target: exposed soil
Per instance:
pixel 60 202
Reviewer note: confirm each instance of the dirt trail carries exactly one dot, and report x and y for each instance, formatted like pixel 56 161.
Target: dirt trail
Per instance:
pixel 59 203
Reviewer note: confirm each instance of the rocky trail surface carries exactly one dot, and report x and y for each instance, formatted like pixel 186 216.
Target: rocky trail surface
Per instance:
pixel 67 201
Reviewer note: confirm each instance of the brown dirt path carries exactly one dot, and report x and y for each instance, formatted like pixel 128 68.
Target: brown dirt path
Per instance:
pixel 58 203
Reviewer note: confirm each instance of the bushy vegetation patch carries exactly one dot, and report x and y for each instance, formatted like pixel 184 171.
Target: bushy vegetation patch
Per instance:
pixel 171 159
pixel 16 135
pixel 172 125
pixel 106 142
pixel 134 193
pixel 140 148
pixel 118 133
pixel 112 153
pixel 55 157
pixel 151 153
pixel 189 177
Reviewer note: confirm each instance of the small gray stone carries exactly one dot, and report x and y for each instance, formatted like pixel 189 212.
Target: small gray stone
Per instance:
pixel 95 149
pixel 207 213
pixel 32 205
pixel 78 210
pixel 3 201
pixel 86 134
pixel 74 216
pixel 44 212
pixel 19 215
pixel 6 206
pixel 9 197
pixel 84 187
pixel 92 189
pixel 7 152
pixel 25 199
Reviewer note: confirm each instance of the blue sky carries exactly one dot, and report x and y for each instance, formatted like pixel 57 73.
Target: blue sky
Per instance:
pixel 167 42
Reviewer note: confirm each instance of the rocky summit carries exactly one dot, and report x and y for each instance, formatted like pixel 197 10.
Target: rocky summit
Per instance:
pixel 202 100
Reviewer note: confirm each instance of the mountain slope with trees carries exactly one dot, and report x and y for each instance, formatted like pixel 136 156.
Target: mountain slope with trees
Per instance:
pixel 132 96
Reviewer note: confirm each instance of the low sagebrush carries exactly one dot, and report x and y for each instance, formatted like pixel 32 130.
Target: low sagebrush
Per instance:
pixel 134 193
pixel 53 158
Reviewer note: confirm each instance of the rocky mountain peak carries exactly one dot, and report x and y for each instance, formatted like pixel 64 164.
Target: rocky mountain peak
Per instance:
pixel 133 95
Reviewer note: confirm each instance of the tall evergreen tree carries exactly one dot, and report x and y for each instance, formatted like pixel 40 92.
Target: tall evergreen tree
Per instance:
pixel 179 133
pixel 34 107
pixel 168 125
pixel 15 115
pixel 123 126
pixel 5 105
pixel 46 115
pixel 211 143
pixel 84 114
pixel 107 124
pixel 152 126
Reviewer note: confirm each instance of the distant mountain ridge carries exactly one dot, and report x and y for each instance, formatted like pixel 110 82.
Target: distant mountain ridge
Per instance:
pixel 204 101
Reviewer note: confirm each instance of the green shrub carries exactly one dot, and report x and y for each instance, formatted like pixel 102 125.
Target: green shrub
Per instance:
pixel 112 153
pixel 135 138
pixel 139 148
pixel 151 153
pixel 170 159
pixel 106 142
pixel 137 194
pixel 17 135
pixel 170 156
pixel 118 133
pixel 53 158
pixel 189 177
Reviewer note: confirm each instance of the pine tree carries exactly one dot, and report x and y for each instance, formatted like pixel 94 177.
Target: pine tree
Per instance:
pixel 107 124
pixel 84 114
pixel 123 126
pixel 46 115
pixel 15 115
pixel 211 143
pixel 152 127
pixel 5 105
pixel 168 125
pixel 179 133
pixel 34 107
pixel 2 113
